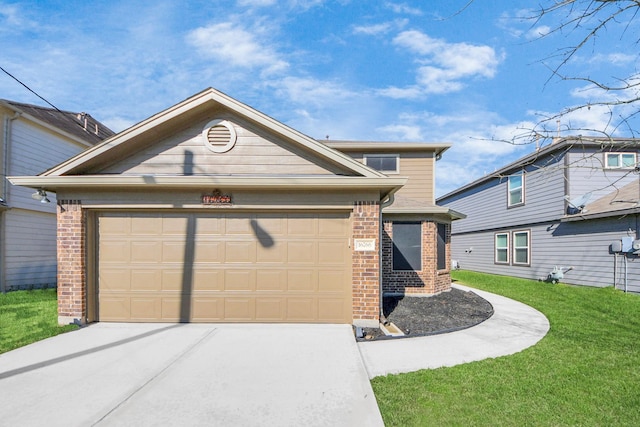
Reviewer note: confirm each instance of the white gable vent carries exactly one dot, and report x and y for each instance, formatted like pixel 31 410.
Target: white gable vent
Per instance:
pixel 219 136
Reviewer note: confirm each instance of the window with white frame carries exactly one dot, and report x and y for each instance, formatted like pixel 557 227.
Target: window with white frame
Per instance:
pixel 620 160
pixel 387 163
pixel 521 247
pixel 502 248
pixel 515 188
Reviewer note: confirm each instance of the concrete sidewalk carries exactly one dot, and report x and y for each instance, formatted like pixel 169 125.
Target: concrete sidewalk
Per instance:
pixel 512 328
pixel 189 375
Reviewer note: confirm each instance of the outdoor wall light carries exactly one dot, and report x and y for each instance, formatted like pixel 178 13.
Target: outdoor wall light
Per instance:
pixel 41 196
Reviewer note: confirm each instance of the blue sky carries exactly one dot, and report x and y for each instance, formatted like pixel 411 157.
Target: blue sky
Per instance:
pixel 433 71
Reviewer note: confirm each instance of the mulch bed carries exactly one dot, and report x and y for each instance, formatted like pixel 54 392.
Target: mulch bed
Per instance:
pixel 418 316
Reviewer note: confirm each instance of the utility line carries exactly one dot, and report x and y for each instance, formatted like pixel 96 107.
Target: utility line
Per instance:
pixel 30 90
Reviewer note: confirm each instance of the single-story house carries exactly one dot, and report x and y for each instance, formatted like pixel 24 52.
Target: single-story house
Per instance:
pixel 211 211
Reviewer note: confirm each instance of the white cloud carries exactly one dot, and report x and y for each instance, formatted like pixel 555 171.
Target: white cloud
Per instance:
pixel 402 132
pixel 256 3
pixel 311 91
pixel 616 58
pixel 403 8
pixel 537 32
pixel 235 46
pixel 446 65
pixel 373 29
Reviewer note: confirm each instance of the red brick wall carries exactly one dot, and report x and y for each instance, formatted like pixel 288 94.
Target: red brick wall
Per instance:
pixel 71 262
pixel 429 280
pixel 366 265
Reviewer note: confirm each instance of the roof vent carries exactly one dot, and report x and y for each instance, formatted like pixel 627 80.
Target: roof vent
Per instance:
pixel 219 136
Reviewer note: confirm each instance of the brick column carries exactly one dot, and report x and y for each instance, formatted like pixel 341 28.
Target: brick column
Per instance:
pixel 71 262
pixel 366 265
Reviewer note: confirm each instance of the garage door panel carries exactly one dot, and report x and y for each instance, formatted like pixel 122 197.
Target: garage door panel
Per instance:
pixel 146 225
pixel 114 251
pixel 173 251
pixel 239 309
pixel 302 225
pixel 270 309
pixel 238 224
pixel 333 226
pixel 209 252
pixel 209 226
pixel 332 309
pixel 171 279
pixel 239 280
pixel 115 279
pixel 119 225
pixel 146 308
pixel 302 252
pixel 146 280
pixel 175 225
pixel 208 280
pixel 271 280
pixel 239 252
pixel 146 251
pixel 275 252
pixel 331 280
pixel 301 309
pixel 301 280
pixel 209 309
pixel 115 308
pixel 241 267
pixel 331 252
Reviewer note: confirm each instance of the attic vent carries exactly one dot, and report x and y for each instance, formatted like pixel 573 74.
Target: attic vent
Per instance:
pixel 219 136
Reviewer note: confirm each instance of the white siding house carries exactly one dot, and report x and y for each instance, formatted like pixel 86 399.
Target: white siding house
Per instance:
pixel 33 140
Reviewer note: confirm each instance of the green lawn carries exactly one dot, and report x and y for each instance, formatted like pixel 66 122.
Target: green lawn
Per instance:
pixel 28 316
pixel 585 372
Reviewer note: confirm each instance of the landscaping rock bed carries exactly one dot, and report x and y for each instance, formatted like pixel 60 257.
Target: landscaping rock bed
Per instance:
pixel 418 316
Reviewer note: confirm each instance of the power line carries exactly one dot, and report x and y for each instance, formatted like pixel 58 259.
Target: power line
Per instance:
pixel 30 90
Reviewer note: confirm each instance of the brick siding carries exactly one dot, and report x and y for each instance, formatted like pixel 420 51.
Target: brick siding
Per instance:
pixel 428 281
pixel 366 265
pixel 71 262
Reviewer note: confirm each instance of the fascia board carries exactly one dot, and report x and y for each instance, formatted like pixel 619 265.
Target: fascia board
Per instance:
pixel 436 210
pixel 51 183
pixel 203 97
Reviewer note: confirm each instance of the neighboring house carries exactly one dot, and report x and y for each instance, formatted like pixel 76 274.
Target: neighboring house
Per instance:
pixel 211 211
pixel 34 139
pixel 570 205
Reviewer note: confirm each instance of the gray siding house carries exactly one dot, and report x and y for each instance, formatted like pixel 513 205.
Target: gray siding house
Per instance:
pixel 33 139
pixel 567 212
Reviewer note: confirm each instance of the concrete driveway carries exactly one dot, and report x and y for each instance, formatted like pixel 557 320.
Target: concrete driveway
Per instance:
pixel 189 375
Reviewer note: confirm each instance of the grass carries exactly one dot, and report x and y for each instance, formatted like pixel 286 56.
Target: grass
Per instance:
pixel 584 372
pixel 27 317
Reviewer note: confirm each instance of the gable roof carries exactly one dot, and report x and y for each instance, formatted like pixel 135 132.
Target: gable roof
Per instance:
pixel 563 144
pixel 77 172
pixel 81 126
pixel 196 106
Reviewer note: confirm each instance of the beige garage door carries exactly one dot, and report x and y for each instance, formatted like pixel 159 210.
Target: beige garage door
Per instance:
pixel 227 267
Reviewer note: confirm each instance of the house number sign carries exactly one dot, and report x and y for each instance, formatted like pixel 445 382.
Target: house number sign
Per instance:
pixel 216 198
pixel 364 245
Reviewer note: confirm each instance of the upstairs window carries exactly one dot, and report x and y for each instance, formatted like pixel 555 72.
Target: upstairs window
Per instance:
pixel 515 188
pixel 386 163
pixel 620 160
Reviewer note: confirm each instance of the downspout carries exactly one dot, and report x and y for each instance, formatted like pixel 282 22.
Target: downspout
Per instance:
pixel 387 201
pixel 5 195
